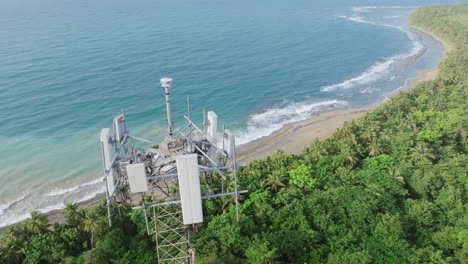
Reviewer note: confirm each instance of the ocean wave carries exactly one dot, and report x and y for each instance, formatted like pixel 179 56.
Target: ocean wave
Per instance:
pixel 357 19
pixel 91 195
pixel 21 217
pixel 388 17
pixel 366 90
pixel 265 123
pixel 15 217
pixel 58 191
pixel 52 207
pixel 368 76
pixel 14 220
pixel 380 68
pixel 362 9
pixel 4 207
pixel 387 95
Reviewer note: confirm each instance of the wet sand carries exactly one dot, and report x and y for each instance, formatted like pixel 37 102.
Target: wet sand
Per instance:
pixel 293 137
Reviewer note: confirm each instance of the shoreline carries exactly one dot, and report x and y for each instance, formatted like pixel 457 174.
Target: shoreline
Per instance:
pixel 292 138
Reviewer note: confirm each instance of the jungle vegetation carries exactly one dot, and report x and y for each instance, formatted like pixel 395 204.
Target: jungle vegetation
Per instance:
pixel 390 187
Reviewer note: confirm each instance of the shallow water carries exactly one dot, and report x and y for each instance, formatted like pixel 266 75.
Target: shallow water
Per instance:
pixel 68 67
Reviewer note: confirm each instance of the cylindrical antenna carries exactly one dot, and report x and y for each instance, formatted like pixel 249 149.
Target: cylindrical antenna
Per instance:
pixel 204 120
pixel 188 106
pixel 166 84
pixel 224 136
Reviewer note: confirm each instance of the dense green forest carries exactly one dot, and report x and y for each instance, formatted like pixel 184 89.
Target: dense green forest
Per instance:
pixel 390 187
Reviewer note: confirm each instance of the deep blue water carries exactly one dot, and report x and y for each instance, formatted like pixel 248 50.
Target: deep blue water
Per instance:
pixel 67 67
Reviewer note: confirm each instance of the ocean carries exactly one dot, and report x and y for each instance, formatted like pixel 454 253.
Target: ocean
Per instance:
pixel 68 67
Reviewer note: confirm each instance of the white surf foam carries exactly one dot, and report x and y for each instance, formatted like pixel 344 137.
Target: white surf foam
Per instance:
pixel 91 195
pixel 4 207
pixel 379 68
pixel 15 218
pixel 363 9
pixel 357 19
pixel 389 17
pixel 366 90
pixel 18 218
pixel 368 76
pixel 52 207
pixel 265 123
pixel 58 191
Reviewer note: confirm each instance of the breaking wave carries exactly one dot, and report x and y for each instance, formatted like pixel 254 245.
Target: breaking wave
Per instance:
pixel 57 198
pixel 265 123
pixel 357 19
pixel 58 191
pixel 4 207
pixel 362 9
pixel 369 75
pixel 380 68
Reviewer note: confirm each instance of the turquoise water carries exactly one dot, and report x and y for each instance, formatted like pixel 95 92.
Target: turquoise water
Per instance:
pixel 68 67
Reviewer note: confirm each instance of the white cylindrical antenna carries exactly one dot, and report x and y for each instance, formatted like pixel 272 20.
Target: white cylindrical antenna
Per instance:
pixel 204 120
pixel 166 84
pixel 188 106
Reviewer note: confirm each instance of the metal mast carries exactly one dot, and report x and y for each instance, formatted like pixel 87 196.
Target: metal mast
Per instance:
pixel 166 84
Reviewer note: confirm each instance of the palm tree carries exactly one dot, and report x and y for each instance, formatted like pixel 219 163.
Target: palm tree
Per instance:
pixel 274 181
pixel 317 149
pixel 346 130
pixel 71 213
pixel 13 251
pixel 349 155
pixel 91 223
pixel 366 136
pixel 413 126
pixel 373 127
pixel 394 174
pixel 351 140
pixel 375 148
pixel 38 223
pixel 422 153
pixel 461 131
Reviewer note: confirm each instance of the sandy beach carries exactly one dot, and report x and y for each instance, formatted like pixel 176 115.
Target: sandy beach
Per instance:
pixel 293 137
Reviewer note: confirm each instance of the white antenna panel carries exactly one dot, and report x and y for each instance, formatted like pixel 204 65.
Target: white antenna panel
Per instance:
pixel 137 177
pixel 212 127
pixel 228 143
pixel 189 186
pixel 119 127
pixel 107 156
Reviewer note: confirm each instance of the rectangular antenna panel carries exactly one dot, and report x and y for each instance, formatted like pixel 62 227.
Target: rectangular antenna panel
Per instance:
pixel 189 186
pixel 228 143
pixel 212 127
pixel 119 127
pixel 137 178
pixel 107 156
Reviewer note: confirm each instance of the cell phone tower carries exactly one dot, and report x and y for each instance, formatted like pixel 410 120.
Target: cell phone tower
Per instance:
pixel 170 172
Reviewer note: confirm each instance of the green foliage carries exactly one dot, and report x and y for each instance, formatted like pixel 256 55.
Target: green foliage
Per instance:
pixel 260 252
pixel 44 248
pixel 302 177
pixel 429 136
